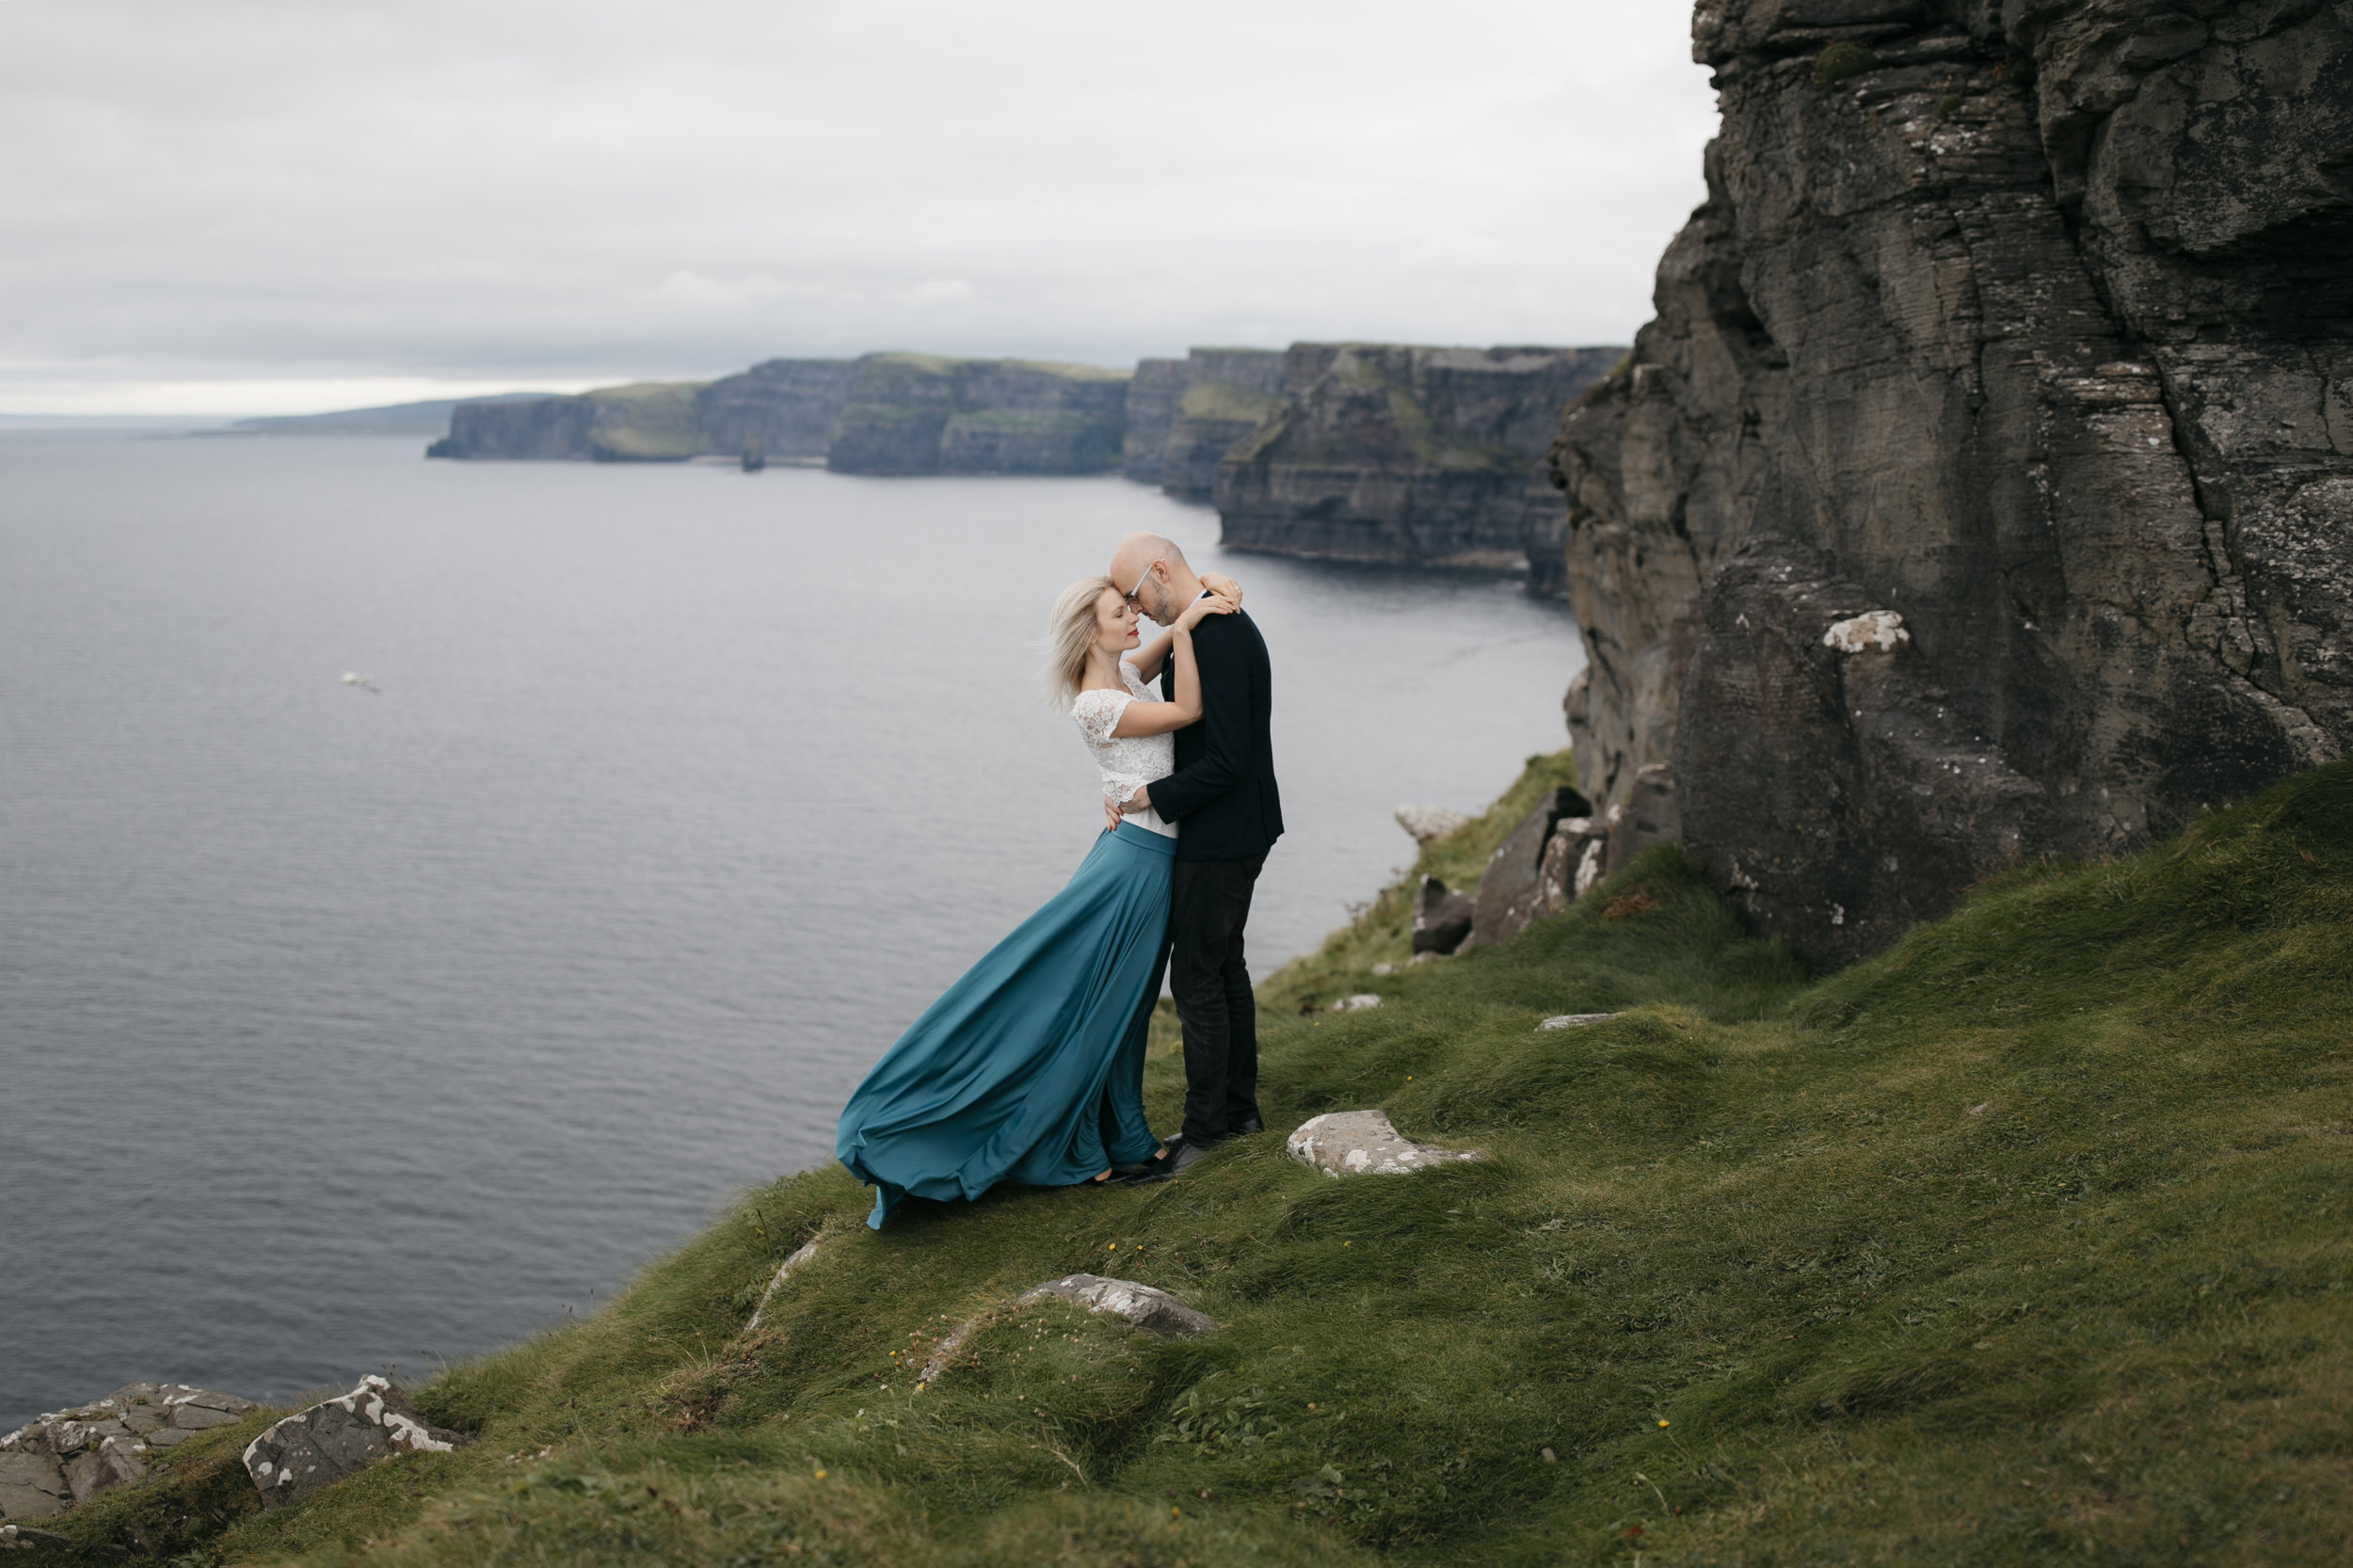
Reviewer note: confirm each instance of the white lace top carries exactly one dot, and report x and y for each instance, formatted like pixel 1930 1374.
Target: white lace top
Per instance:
pixel 1128 761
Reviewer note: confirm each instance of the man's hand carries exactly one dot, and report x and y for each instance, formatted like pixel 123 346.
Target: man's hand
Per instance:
pixel 1140 801
pixel 1110 815
pixel 1114 810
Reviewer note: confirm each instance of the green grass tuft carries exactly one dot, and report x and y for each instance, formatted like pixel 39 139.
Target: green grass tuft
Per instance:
pixel 2024 1242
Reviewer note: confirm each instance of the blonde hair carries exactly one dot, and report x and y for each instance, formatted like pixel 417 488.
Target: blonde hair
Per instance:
pixel 1070 631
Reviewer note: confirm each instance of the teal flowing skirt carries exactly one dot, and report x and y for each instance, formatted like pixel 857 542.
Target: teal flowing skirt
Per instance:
pixel 1030 1068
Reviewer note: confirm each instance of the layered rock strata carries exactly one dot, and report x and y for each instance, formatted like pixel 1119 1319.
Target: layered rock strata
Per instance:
pixel 2026 330
pixel 779 410
pixel 1388 452
pixel 885 414
pixel 647 422
pixel 918 413
pixel 1184 415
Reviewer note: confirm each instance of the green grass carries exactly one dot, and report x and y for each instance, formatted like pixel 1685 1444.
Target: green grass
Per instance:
pixel 1217 400
pixel 2025 1241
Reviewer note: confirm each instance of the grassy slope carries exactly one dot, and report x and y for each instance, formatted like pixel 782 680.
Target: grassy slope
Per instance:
pixel 2023 1240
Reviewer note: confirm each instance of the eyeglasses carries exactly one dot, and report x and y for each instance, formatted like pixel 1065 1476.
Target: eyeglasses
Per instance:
pixel 1130 595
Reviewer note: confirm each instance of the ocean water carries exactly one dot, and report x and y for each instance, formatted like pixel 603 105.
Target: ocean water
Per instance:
pixel 343 1028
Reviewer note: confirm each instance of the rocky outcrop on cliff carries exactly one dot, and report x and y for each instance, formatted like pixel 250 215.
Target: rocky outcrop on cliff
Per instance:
pixel 918 414
pixel 1389 453
pixel 2031 327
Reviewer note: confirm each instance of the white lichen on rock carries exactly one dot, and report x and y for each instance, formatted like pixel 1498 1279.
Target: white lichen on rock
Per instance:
pixel 1882 630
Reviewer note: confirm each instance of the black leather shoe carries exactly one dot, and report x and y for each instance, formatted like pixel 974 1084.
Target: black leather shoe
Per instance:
pixel 1181 1157
pixel 1249 1126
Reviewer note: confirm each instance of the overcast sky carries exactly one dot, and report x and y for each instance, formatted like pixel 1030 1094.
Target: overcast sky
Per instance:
pixel 280 205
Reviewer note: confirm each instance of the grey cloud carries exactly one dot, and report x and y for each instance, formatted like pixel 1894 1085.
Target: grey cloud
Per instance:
pixel 532 192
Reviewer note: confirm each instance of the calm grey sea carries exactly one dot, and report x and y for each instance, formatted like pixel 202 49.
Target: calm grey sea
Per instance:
pixel 339 1030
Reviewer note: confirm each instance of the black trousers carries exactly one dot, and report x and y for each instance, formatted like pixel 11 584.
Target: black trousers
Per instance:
pixel 1208 905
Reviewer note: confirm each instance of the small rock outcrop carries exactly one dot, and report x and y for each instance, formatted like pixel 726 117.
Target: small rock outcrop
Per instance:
pixel 1546 863
pixel 1362 1143
pixel 1575 1020
pixel 1381 451
pixel 1442 918
pixel 337 1437
pixel 1154 1311
pixel 1363 1001
pixel 1981 488
pixel 69 1456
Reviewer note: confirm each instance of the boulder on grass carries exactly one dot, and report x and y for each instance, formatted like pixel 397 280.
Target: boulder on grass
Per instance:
pixel 338 1437
pixel 1153 1311
pixel 1362 1143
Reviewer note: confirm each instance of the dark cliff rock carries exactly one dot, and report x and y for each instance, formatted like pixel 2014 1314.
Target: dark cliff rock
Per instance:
pixel 1387 453
pixel 784 410
pixel 1228 393
pixel 646 422
pixel 918 413
pixel 1153 393
pixel 1183 415
pixel 885 414
pixel 2033 327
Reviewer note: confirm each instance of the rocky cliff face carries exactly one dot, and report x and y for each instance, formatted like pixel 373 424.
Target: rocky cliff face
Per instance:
pixel 916 414
pixel 1183 415
pixel 781 410
pixel 646 422
pixel 1387 453
pixel 1984 486
pixel 885 414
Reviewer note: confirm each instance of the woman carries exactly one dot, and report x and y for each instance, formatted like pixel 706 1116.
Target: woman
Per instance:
pixel 1030 1068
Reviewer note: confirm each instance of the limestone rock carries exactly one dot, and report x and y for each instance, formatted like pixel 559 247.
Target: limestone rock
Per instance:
pixel 2018 367
pixel 1364 1002
pixel 336 1437
pixel 1357 1143
pixel 32 1486
pixel 1381 451
pixel 1524 876
pixel 1152 1310
pixel 1426 822
pixel 69 1456
pixel 1575 1020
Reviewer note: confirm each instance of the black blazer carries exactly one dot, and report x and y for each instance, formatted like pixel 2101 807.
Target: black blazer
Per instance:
pixel 1223 792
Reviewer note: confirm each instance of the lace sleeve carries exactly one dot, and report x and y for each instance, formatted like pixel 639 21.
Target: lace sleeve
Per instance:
pixel 1097 714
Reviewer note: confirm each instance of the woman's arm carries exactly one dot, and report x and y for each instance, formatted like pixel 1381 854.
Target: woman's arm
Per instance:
pixel 1147 658
pixel 1158 718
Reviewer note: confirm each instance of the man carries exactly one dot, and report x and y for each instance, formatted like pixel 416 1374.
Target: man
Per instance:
pixel 1224 799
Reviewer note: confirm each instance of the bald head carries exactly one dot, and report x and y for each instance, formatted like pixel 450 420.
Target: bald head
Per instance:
pixel 1155 569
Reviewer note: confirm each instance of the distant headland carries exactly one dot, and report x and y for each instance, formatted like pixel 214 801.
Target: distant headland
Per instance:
pixel 1362 451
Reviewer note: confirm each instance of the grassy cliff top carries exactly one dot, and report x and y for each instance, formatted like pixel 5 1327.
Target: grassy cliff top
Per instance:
pixel 940 364
pixel 1216 400
pixel 2025 1240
